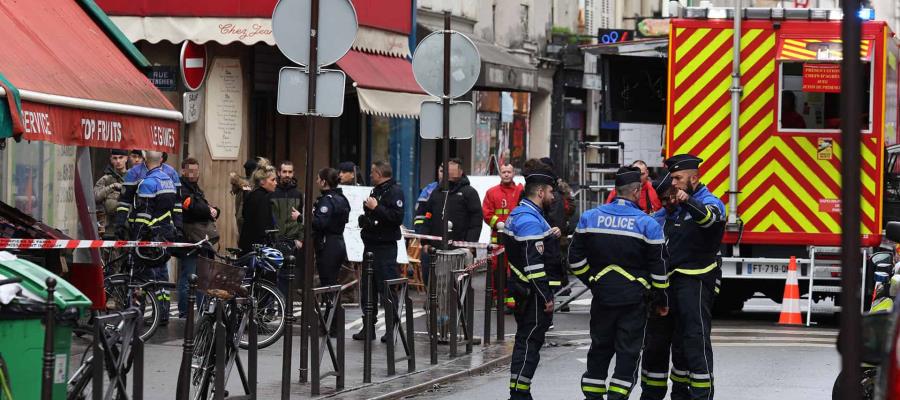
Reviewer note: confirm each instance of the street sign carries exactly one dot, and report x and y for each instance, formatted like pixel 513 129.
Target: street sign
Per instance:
pixel 293 92
pixel 431 123
pixel 428 64
pixel 193 64
pixel 337 29
pixel 191 103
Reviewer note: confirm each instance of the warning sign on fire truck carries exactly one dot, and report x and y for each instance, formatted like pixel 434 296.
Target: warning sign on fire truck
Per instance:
pixel 822 78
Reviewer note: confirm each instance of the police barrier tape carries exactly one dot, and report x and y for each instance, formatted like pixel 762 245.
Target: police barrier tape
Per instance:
pixel 484 261
pixel 51 244
pixel 457 243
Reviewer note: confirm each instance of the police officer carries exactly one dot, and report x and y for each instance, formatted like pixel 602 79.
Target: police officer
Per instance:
pixel 153 217
pixel 658 339
pixel 525 233
pixel 616 252
pixel 380 223
pixel 694 231
pixel 330 214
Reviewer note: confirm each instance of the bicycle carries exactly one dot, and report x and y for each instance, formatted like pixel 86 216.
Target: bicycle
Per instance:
pixel 118 357
pixel 125 289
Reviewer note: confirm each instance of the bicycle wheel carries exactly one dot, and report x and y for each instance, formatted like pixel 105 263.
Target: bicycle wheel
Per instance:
pixel 118 298
pixel 270 306
pixel 80 384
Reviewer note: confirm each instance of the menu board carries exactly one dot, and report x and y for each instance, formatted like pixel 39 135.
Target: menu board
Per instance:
pixel 224 108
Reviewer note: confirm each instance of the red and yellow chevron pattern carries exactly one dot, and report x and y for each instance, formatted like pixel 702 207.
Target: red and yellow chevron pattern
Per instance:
pixel 780 178
pixel 806 49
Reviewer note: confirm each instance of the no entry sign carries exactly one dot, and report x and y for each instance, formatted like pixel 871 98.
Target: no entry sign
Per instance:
pixel 193 64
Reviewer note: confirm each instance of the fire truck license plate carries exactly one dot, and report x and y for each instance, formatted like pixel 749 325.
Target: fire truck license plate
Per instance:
pixel 767 269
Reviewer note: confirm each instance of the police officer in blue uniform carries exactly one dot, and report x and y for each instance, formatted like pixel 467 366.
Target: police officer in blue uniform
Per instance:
pixel 330 213
pixel 153 217
pixel 129 187
pixel 526 231
pixel 693 231
pixel 380 223
pixel 658 339
pixel 616 251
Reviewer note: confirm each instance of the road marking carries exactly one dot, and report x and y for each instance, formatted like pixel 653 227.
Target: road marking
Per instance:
pixel 794 344
pixel 777 331
pixel 773 339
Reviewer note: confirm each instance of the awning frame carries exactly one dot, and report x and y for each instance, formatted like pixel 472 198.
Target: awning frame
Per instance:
pixel 96 105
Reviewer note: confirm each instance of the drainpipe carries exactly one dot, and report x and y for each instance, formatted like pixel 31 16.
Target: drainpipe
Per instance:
pixel 736 91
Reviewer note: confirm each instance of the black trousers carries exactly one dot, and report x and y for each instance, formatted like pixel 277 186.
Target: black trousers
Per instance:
pixel 655 360
pixel 531 327
pixel 691 299
pixel 619 331
pixel 384 265
pixel 330 255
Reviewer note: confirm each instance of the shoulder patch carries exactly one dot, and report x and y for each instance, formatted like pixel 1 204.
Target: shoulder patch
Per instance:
pixel 323 209
pixel 539 246
pixel 399 203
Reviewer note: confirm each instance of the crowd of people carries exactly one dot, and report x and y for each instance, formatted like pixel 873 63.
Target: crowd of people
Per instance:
pixel 648 256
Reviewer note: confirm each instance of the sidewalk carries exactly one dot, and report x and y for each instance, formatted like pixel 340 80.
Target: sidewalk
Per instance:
pixel 163 354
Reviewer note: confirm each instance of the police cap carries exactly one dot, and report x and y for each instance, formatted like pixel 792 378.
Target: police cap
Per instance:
pixel 346 166
pixel 628 175
pixel 683 162
pixel 663 184
pixel 118 152
pixel 541 176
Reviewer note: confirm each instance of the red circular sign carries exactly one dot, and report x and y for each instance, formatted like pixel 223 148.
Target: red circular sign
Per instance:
pixel 193 64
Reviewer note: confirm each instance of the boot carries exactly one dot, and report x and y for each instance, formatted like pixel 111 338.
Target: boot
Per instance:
pixel 362 334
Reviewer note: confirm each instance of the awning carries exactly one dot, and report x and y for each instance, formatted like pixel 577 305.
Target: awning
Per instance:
pixel 385 85
pixel 248 31
pixel 502 70
pixel 818 49
pixel 76 86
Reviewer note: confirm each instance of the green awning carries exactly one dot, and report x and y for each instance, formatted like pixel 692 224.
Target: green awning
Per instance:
pixel 10 111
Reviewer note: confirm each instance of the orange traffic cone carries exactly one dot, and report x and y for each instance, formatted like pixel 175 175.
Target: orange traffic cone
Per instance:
pixel 790 305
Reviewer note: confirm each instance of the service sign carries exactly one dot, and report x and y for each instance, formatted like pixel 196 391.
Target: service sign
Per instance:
pixel 821 78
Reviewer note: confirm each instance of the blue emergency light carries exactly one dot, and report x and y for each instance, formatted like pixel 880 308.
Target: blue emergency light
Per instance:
pixel 866 14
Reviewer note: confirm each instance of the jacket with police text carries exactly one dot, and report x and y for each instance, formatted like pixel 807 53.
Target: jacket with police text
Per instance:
pixel 617 252
pixel 156 208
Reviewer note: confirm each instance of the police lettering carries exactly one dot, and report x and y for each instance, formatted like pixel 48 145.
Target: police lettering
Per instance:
pixel 36 122
pixel 615 222
pixel 162 136
pixel 101 130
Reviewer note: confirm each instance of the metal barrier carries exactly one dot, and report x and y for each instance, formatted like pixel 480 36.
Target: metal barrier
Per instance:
pixel 397 304
pixel 332 320
pixel 288 335
pixel 369 310
pixel 488 300
pixel 248 381
pixel 183 387
pixel 432 307
pixel 500 279
pixel 462 311
pixel 121 352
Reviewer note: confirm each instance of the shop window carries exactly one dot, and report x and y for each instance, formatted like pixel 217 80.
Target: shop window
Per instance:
pixel 810 86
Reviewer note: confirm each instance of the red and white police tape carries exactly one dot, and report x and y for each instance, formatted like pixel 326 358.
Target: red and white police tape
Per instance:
pixel 50 244
pixel 457 243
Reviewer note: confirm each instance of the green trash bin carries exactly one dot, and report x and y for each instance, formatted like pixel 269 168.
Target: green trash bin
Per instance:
pixel 22 328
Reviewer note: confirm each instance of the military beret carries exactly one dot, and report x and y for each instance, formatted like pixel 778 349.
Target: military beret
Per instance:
pixel 628 175
pixel 681 162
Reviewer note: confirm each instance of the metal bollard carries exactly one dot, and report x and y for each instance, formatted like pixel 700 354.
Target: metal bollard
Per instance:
pixel 368 316
pixel 501 297
pixel 432 307
pixel 399 303
pixel 454 312
pixel 49 355
pixel 304 325
pixel 488 300
pixel 288 337
pixel 183 391
pixel 253 348
pixel 137 363
pixel 219 382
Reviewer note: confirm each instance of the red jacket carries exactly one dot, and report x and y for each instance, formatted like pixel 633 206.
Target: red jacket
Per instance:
pixel 498 202
pixel 647 192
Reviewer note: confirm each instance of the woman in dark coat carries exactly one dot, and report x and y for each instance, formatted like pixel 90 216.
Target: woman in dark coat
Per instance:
pixel 330 214
pixel 257 209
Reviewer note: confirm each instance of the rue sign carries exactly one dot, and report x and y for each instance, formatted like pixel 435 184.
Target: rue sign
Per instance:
pixel 193 63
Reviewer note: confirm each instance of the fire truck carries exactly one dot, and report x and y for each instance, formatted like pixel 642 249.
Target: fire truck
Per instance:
pixel 780 178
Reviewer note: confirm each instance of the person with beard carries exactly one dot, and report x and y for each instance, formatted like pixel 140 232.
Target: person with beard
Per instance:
pixel 461 204
pixel 108 189
pixel 524 240
pixel 287 200
pixel 330 214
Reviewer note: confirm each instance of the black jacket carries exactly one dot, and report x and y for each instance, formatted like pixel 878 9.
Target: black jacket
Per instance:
pixel 463 209
pixel 382 225
pixel 330 213
pixel 194 206
pixel 694 234
pixel 258 218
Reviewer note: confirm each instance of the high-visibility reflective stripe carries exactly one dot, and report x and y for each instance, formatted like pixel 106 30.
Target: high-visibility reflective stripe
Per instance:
pixel 679 372
pixel 578 272
pixel 593 389
pixel 501 211
pixel 534 267
pixel 618 390
pixel 660 285
pixel 509 300
pixel 701 384
pixel 659 277
pixel 144 221
pixel 418 221
pixel 706 218
pixel 649 374
pixel 622 272
pixel 519 378
pixel 494 239
pixel 619 382
pixel 519 386
pixel 555 283
pixel 593 381
pixel 700 376
pixel 125 209
pixel 654 382
pixel 710 267
pixel 536 275
pixel 177 209
pixel 679 379
pixel 494 220
pixel 885 305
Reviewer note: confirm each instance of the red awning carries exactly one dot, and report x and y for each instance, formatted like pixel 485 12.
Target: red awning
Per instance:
pixel 76 86
pixel 371 71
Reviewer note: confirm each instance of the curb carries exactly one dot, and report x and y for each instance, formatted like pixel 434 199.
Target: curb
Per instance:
pixel 422 387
